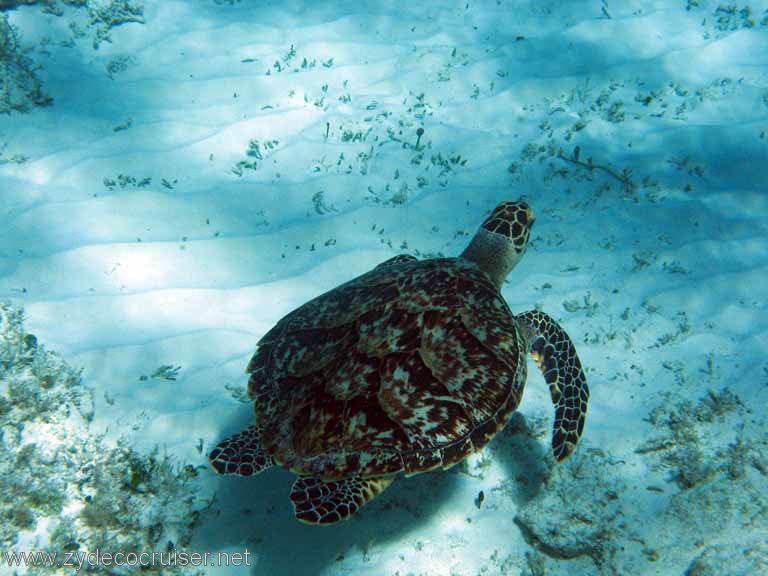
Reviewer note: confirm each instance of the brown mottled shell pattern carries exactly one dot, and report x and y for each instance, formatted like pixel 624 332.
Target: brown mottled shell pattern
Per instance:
pixel 410 367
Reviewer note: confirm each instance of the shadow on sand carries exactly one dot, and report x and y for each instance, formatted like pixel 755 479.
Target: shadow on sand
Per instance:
pixel 256 514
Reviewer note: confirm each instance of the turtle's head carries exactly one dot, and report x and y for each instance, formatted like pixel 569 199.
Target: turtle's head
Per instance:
pixel 501 240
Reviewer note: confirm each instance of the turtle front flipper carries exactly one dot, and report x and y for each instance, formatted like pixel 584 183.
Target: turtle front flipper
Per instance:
pixel 241 454
pixel 318 502
pixel 556 356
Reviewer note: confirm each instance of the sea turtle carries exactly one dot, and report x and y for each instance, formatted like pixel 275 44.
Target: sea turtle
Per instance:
pixel 410 367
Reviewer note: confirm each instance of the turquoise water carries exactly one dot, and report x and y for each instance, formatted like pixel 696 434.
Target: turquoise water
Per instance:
pixel 176 177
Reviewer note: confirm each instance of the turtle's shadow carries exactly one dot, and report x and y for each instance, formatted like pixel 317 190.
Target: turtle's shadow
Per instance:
pixel 256 514
pixel 519 451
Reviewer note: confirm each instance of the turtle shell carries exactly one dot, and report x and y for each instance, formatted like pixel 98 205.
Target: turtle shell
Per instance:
pixel 410 367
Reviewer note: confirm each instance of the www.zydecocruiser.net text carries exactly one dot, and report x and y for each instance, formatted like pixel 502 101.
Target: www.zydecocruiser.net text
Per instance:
pixel 97 558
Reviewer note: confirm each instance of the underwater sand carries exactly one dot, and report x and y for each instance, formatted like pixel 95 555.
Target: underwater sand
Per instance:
pixel 211 169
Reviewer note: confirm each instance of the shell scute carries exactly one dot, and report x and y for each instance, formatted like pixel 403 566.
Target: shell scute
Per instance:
pixel 351 375
pixel 475 376
pixel 336 307
pixel 421 405
pixel 430 288
pixel 420 461
pixel 383 332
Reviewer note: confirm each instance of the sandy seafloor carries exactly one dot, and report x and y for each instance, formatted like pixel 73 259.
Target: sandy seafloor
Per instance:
pixel 210 169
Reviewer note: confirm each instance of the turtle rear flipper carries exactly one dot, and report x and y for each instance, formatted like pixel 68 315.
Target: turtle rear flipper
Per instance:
pixel 318 502
pixel 241 454
pixel 556 356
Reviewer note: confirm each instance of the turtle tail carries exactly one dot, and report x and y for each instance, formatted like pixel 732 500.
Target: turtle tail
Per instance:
pixel 556 357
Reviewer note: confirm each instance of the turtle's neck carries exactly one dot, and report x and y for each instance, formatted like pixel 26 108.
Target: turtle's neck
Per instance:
pixel 493 253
